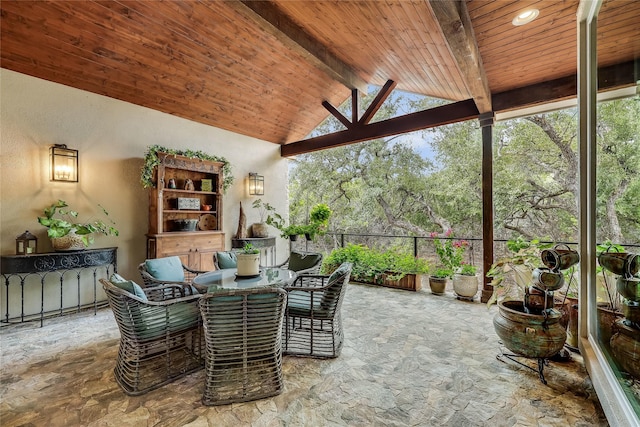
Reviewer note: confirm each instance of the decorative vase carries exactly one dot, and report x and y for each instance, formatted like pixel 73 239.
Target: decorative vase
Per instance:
pixel 530 335
pixel 624 345
pixel 559 258
pixel 437 285
pixel 547 279
pixel 259 229
pixel 629 288
pixel 620 263
pixel 248 264
pixel 70 242
pixel 465 286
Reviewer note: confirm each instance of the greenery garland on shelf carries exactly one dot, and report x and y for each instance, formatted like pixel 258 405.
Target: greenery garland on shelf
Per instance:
pixel 151 160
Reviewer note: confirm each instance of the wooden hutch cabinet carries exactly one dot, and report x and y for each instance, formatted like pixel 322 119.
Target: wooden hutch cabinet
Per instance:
pixel 186 220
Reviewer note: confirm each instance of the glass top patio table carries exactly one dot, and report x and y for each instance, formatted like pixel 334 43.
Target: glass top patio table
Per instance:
pixel 228 279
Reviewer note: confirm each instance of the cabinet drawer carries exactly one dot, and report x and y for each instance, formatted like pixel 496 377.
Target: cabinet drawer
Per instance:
pixel 173 245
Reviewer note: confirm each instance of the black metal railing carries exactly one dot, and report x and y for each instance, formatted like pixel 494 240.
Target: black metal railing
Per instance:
pixel 420 246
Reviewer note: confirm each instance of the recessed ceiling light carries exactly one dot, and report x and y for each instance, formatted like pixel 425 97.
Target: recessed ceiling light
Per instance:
pixel 525 17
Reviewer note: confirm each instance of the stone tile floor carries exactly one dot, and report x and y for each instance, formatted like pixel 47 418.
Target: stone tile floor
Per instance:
pixel 410 359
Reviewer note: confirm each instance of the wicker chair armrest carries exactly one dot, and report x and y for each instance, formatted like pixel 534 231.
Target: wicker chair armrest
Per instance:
pixel 190 270
pixel 309 282
pixel 169 290
pixel 157 296
pixel 281 265
pixel 170 301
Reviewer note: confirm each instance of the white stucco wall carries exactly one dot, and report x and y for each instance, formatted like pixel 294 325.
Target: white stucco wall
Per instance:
pixel 112 137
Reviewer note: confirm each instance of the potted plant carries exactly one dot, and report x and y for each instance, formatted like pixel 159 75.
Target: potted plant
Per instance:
pixel 248 261
pixel 260 228
pixel 318 221
pixel 465 282
pixel 320 214
pixel 449 252
pixel 438 280
pixel 392 268
pixel 66 233
pixel 511 274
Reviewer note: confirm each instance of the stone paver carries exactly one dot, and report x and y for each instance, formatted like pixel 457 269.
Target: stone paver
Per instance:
pixel 410 359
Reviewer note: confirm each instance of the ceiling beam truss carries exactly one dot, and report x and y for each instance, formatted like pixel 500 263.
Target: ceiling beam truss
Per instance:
pixel 438 116
pixel 612 77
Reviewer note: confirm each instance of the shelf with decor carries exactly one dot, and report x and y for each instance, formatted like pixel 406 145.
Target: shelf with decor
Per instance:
pixel 185 210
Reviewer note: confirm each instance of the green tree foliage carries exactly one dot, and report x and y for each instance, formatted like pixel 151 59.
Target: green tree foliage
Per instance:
pixel 386 186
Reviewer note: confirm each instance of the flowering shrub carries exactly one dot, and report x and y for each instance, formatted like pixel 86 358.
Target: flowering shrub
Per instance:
pixel 449 251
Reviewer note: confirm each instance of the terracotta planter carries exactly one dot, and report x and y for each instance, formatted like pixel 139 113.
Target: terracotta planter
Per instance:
pixel 530 335
pixel 607 318
pixel 411 282
pixel 437 285
pixel 465 286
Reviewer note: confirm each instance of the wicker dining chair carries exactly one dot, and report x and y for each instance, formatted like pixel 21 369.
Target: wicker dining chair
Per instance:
pixel 243 344
pixel 313 323
pixel 302 262
pixel 161 336
pixel 158 271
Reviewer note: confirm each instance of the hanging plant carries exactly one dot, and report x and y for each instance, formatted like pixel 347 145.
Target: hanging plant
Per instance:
pixel 151 160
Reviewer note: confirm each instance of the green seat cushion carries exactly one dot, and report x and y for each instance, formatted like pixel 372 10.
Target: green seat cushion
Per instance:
pixel 299 261
pixel 129 286
pixel 227 260
pixel 299 304
pixel 115 277
pixel 167 269
pixel 156 322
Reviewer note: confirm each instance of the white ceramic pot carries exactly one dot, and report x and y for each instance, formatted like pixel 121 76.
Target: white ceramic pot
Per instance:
pixel 248 264
pixel 465 286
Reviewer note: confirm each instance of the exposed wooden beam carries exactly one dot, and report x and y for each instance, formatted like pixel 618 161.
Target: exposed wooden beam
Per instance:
pixel 611 77
pixel 439 116
pixel 337 114
pixel 454 20
pixel 355 105
pixel 270 19
pixel 378 101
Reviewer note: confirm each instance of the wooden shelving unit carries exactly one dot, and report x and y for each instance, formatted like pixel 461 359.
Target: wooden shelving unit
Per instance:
pixel 165 237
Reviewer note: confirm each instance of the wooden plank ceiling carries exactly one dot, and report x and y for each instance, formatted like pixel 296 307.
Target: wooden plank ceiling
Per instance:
pixel 263 69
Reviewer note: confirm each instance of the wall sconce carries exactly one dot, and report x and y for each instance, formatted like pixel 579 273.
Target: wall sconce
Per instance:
pixel 256 184
pixel 26 244
pixel 64 163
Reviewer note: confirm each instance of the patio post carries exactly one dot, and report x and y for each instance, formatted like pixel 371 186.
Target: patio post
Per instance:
pixel 486 124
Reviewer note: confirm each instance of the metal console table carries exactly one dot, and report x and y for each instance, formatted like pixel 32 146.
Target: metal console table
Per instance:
pixel 17 269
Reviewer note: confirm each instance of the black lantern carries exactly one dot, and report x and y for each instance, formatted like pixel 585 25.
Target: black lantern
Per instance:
pixel 256 184
pixel 26 244
pixel 64 163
